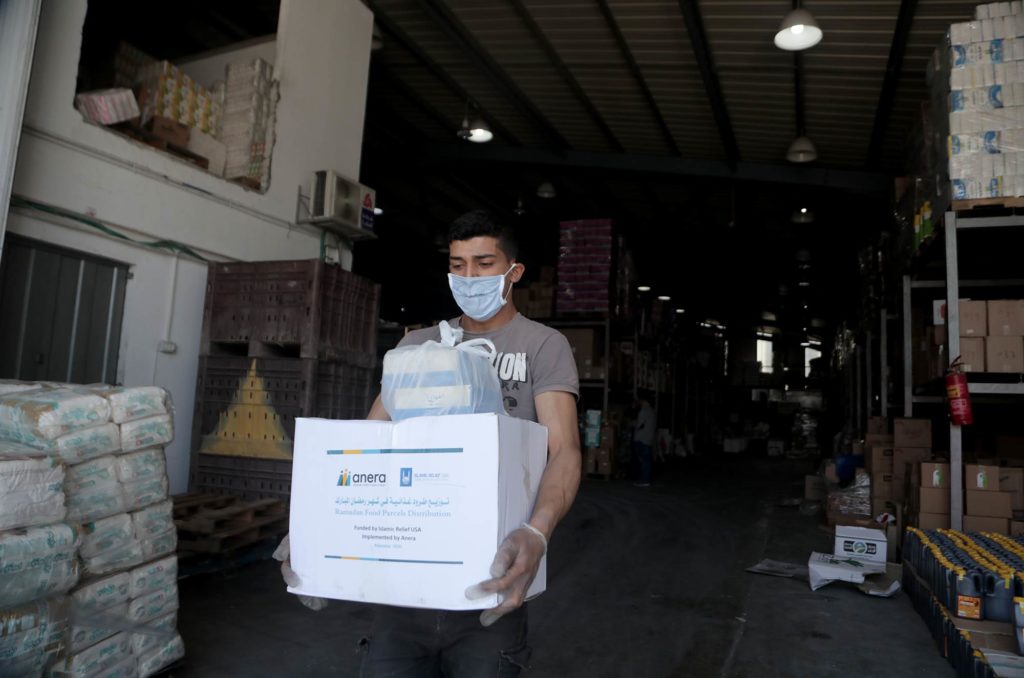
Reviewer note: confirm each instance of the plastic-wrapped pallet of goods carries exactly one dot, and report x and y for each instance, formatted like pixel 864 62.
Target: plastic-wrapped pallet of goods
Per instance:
pixel 118 542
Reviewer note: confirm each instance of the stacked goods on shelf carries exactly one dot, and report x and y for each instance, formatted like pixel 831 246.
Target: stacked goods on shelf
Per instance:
pixel 281 339
pixel 988 508
pixel 584 266
pixel 538 300
pixel 991 337
pixel 929 495
pixel 585 351
pixel 250 101
pixel 977 92
pixel 599 435
pixel 878 461
pixel 912 444
pixel 84 516
pixel 164 90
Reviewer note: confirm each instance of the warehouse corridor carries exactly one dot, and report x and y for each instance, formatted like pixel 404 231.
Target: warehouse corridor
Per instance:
pixel 643 582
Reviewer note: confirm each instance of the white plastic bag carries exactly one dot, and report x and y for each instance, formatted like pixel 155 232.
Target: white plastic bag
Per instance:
pixel 437 378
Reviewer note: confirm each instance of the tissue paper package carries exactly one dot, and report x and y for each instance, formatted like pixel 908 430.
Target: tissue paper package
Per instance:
pixel 31 492
pixel 121 558
pixel 142 465
pixel 72 448
pixel 129 404
pixel 144 492
pixel 93 491
pixel 37 562
pixel 90 627
pixel 148 432
pixel 8 386
pixel 166 653
pixel 153 521
pixel 152 576
pixel 160 545
pixel 98 472
pixel 106 534
pixel 154 604
pixel 126 668
pixel 103 593
pixel 32 635
pixel 156 632
pixel 35 417
pixel 103 655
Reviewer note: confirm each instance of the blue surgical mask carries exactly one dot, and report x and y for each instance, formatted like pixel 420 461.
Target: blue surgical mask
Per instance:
pixel 480 298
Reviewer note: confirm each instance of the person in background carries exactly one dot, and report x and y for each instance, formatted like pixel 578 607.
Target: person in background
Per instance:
pixel 644 430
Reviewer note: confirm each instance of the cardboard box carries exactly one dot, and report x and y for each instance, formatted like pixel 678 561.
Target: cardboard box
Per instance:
pixel 1012 480
pixel 406 513
pixel 901 456
pixel 583 345
pixel 972 353
pixel 879 425
pixel 824 568
pixel 912 433
pixel 881 486
pixel 206 146
pixel 171 131
pixel 940 336
pixel 878 459
pixel 1004 354
pixel 932 521
pixel 1006 318
pixel 881 505
pixel 862 543
pixel 981 478
pixel 1016 528
pixel 814 488
pixel 973 318
pixel 884 439
pixel 986 524
pixel 934 474
pixel 933 500
pixel 989 504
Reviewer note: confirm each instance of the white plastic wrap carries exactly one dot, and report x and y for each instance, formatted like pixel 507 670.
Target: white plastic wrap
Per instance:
pixel 91 626
pixel 152 576
pixel 154 604
pixel 31 492
pixel 32 635
pixel 166 654
pixel 126 668
pixel 35 417
pixel 106 534
pixel 158 632
pixel 114 560
pixel 153 521
pixel 101 656
pixel 160 545
pixel 142 465
pixel 100 472
pixel 37 562
pixel 8 386
pixel 73 448
pixel 144 492
pixel 148 432
pixel 130 403
pixel 103 593
pixel 438 378
pixel 99 502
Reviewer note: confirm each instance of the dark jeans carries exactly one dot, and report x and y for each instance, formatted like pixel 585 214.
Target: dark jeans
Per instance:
pixel 411 643
pixel 643 453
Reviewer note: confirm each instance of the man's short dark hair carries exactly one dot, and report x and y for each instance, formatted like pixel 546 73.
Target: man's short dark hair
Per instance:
pixel 481 223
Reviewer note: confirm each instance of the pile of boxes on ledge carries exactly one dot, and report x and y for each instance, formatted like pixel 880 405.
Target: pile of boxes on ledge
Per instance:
pixel 226 128
pixel 88 572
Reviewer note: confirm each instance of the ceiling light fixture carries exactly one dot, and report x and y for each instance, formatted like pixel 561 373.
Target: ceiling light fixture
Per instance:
pixel 643 288
pixel 664 298
pixel 802 150
pixel 546 190
pixel 798 31
pixel 803 216
pixel 680 310
pixel 476 131
pixel 377 211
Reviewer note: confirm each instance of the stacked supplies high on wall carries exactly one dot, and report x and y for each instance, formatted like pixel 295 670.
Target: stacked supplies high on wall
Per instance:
pixel 88 575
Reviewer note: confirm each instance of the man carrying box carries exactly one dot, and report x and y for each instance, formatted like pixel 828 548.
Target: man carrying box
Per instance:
pixel 539 383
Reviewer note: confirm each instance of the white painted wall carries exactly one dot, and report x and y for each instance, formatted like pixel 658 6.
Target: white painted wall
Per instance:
pixel 322 60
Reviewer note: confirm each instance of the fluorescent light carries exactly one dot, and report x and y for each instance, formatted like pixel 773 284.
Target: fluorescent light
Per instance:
pixel 798 31
pixel 479 133
pixel 664 298
pixel 679 310
pixel 546 190
pixel 805 344
pixel 804 283
pixel 377 211
pixel 803 210
pixel 643 288
pixel 802 150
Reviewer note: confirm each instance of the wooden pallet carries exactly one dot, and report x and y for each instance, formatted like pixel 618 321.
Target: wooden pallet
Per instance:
pixel 230 540
pixel 188 505
pixel 218 524
pixel 980 203
pixel 236 515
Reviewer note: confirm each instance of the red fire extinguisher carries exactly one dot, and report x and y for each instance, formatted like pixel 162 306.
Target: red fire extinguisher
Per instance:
pixel 960 410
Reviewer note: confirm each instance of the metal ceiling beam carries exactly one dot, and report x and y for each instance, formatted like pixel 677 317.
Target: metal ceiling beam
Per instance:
pixel 380 72
pixel 712 87
pixel 634 68
pixel 893 70
pixel 856 180
pixel 402 38
pixel 566 74
pixel 475 52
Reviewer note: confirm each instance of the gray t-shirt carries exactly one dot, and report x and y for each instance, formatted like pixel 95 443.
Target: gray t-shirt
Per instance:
pixel 531 359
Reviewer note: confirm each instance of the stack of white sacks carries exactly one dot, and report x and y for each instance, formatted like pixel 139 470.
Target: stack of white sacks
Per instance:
pixel 250 101
pixel 88 575
pixel 978 93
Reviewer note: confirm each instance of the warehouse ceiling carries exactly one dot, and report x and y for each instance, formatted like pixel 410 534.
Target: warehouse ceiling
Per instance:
pixel 670 116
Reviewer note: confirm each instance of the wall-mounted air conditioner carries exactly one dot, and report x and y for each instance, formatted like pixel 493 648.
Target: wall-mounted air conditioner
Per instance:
pixel 341 205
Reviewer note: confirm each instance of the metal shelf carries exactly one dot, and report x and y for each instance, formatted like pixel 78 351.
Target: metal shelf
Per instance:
pixel 941 284
pixel 990 388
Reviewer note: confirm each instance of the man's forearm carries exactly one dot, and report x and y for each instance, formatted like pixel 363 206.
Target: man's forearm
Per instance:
pixel 557 490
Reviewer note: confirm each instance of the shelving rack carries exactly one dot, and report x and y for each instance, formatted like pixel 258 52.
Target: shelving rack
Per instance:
pixel 603 325
pixel 986 385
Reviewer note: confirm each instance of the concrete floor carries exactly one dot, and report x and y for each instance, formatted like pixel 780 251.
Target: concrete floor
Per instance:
pixel 642 582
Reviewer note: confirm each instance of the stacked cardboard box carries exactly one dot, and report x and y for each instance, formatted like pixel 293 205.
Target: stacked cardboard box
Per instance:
pixel 538 300
pixel 930 498
pixel 991 335
pixel 912 444
pixel 584 266
pixel 989 509
pixel 250 103
pixel 877 449
pixel 589 360
pixel 164 90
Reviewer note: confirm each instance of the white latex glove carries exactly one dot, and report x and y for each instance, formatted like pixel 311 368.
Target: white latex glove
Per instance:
pixel 283 554
pixel 514 567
